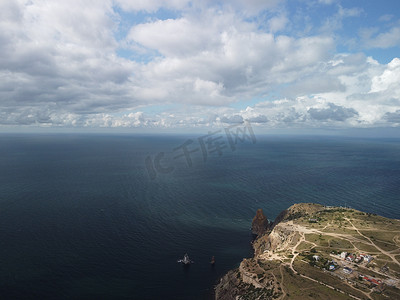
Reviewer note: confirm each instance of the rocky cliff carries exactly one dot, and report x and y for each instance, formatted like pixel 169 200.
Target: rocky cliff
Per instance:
pixel 253 279
pixel 284 264
pixel 260 224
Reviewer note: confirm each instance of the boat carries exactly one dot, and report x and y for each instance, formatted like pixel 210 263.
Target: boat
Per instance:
pixel 212 260
pixel 185 260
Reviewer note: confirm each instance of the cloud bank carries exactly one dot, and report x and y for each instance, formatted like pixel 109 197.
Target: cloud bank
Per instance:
pixel 193 64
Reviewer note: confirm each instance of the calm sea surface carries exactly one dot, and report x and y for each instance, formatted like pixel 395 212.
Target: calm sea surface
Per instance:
pixel 80 217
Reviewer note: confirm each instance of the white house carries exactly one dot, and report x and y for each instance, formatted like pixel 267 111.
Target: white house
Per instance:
pixel 347 270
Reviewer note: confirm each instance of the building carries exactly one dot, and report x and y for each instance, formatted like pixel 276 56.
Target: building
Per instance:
pixel 368 258
pixel 316 257
pixel 350 258
pixel 372 280
pixel 347 270
pixel 332 268
pixel 343 255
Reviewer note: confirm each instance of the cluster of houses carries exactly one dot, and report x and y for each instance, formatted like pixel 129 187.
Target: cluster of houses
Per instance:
pixel 350 257
pixel 332 266
pixel 356 258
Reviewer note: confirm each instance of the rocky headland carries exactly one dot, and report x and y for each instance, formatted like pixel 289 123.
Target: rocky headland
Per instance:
pixel 313 251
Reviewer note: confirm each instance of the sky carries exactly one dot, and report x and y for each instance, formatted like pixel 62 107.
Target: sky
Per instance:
pixel 152 65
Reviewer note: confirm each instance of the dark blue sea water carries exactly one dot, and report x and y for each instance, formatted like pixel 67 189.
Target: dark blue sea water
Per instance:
pixel 81 219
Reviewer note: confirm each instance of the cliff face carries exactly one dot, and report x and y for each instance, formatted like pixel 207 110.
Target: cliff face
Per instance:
pixel 228 287
pixel 249 281
pixel 260 224
pixel 283 266
pixel 255 275
pixel 280 238
pixel 251 275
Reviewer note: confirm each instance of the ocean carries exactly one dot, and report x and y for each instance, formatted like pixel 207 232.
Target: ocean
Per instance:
pixel 91 216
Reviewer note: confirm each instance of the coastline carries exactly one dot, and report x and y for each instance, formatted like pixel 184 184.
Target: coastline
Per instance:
pixel 336 252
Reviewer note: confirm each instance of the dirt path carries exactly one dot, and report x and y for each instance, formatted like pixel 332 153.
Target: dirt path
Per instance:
pixel 373 244
pixel 282 283
pixel 333 288
pixel 301 239
pixel 351 238
pixel 294 249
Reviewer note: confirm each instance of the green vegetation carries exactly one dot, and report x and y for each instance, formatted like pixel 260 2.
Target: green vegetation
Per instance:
pixel 315 240
pixel 340 244
pixel 297 287
pixel 327 278
pixel 365 247
pixel 295 216
pixel 387 246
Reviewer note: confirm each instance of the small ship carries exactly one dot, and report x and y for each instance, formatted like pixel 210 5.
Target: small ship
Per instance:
pixel 185 260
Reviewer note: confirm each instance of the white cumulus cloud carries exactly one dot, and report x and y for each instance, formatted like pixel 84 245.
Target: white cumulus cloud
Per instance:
pixel 190 64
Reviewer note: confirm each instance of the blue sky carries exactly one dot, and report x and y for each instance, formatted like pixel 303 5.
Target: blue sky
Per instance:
pixel 184 65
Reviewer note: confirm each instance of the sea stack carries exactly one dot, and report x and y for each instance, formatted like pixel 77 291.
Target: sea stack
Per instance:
pixel 260 223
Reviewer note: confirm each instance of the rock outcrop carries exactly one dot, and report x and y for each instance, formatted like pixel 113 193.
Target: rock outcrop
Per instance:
pixel 280 238
pixel 283 266
pixel 260 224
pixel 253 276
